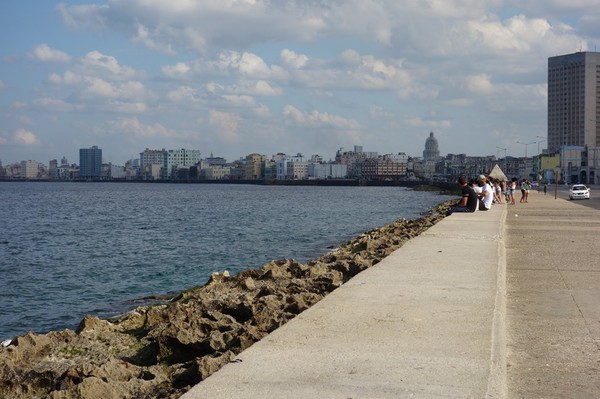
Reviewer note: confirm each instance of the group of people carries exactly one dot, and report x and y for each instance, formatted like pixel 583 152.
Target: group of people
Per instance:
pixel 481 193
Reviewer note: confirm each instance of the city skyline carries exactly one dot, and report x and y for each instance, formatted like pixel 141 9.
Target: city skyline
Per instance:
pixel 235 77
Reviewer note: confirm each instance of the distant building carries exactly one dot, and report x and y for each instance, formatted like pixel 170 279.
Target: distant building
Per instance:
pixel 353 158
pixel 387 167
pixel 432 151
pixel 297 170
pixel 53 169
pixel 216 172
pixel 253 166
pixel 90 163
pixel 573 100
pixel 29 170
pixel 178 159
pixel 150 157
pixel 327 171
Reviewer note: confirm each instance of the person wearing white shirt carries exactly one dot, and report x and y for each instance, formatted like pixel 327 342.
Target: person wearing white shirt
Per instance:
pixel 486 197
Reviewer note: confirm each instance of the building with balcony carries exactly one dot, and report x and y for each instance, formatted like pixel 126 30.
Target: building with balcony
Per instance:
pixel 387 167
pixel 174 160
pixel 253 166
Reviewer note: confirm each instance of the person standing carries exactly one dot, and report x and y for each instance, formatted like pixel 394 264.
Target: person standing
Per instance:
pixel 513 187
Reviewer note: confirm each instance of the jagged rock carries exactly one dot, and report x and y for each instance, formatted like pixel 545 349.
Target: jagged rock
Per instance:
pixel 161 351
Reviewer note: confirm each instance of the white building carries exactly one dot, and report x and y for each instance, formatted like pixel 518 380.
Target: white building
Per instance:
pixel 297 170
pixel 174 159
pixel 327 171
pixel 29 170
pixel 217 172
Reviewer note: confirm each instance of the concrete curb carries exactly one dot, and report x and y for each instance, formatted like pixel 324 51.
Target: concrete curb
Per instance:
pixel 497 387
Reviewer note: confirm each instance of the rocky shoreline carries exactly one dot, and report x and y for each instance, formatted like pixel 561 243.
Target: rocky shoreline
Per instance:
pixel 165 349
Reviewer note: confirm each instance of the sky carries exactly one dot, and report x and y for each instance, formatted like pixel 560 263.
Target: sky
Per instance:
pixel 234 77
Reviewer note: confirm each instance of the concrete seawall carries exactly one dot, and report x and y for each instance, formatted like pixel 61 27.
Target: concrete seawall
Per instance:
pixel 428 321
pixel 497 304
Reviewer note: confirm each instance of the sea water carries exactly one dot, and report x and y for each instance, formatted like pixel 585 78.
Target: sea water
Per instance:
pixel 71 249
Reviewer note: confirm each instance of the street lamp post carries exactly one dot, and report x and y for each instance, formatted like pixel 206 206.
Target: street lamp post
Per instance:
pixel 497 156
pixel 526 144
pixel 539 161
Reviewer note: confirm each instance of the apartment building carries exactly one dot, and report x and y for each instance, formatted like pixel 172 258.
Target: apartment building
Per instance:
pixel 574 100
pixel 90 163
pixel 174 159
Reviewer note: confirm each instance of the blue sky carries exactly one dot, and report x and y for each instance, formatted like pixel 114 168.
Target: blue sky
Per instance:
pixel 233 77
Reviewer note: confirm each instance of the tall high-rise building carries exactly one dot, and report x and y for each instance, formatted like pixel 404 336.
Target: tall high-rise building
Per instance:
pixel 574 100
pixel 90 163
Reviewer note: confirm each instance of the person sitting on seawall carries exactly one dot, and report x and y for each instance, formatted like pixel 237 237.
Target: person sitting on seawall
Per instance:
pixel 476 187
pixel 468 201
pixel 487 193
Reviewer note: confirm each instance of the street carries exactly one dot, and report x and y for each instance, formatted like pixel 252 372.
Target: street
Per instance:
pixel 563 192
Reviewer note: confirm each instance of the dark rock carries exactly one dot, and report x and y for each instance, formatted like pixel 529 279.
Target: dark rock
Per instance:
pixel 164 349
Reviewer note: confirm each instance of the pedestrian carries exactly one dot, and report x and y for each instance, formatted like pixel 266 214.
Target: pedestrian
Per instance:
pixel 511 190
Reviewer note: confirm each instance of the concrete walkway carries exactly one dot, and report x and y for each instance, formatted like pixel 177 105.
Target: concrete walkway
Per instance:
pixel 432 320
pixel 422 323
pixel 553 312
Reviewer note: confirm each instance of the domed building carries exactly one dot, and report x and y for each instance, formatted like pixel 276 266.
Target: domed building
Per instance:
pixel 432 152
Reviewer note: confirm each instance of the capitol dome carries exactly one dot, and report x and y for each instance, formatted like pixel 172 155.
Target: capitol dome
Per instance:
pixel 432 152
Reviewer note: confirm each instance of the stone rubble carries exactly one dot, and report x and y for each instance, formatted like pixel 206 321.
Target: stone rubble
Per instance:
pixel 163 350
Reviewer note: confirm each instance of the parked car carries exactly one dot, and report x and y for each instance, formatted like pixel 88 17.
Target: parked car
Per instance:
pixel 579 191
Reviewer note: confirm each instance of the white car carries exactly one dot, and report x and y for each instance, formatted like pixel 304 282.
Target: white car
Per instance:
pixel 579 191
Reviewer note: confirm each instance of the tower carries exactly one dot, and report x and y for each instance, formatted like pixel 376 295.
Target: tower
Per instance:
pixel 90 163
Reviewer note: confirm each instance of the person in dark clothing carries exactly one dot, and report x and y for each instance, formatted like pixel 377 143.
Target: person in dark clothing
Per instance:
pixel 468 201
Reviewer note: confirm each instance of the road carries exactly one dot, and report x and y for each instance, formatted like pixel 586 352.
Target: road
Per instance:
pixel 563 192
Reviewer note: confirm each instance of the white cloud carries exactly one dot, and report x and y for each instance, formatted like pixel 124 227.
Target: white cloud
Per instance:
pixel 46 54
pixel 240 101
pixel 99 88
pixel 19 105
pixel 430 124
pixel 184 94
pixel 55 104
pixel 68 78
pixel 316 118
pixel 95 62
pixel 176 71
pixel 184 24
pixel 25 137
pixel 296 61
pixel 480 84
pixel 379 112
pixel 133 127
pixel 374 71
pixel 83 16
pixel 129 107
pixel 227 124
